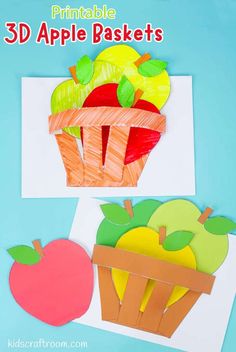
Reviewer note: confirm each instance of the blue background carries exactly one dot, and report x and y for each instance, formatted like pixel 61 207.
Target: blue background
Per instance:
pixel 200 41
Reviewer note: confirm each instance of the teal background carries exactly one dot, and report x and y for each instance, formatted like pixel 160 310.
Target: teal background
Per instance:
pixel 200 41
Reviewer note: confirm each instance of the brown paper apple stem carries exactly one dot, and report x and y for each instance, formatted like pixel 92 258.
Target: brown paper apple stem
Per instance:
pixel 72 70
pixel 137 96
pixel 38 247
pixel 129 207
pixel 145 57
pixel 162 234
pixel 204 216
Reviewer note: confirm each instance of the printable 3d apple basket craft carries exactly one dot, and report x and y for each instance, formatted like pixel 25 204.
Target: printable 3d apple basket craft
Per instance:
pixel 104 130
pixel 155 262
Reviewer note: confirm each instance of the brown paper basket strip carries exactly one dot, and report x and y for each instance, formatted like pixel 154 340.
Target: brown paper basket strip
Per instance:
pixel 156 304
pixel 107 116
pixel 156 318
pixel 177 312
pixel 129 311
pixel 110 303
pixel 153 268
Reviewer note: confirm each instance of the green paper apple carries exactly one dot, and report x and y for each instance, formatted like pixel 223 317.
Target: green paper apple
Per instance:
pixel 117 220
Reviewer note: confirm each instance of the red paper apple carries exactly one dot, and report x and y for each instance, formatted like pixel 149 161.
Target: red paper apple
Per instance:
pixel 141 141
pixel 54 283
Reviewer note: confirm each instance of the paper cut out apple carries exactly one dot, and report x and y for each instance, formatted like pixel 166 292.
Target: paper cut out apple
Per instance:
pixel 69 95
pixel 210 250
pixel 156 89
pixel 113 226
pixel 55 283
pixel 146 241
pixel 141 141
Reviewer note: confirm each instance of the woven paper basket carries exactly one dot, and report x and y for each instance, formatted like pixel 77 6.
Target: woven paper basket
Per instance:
pixel 87 170
pixel 156 318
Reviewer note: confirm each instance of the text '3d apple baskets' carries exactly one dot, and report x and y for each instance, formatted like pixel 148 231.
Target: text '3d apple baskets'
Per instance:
pixel 104 130
pixel 151 276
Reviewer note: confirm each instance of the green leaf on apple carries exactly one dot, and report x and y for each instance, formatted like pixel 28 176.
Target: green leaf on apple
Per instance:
pixel 219 225
pixel 152 68
pixel 177 240
pixel 24 255
pixel 115 214
pixel 73 131
pixel 84 69
pixel 125 93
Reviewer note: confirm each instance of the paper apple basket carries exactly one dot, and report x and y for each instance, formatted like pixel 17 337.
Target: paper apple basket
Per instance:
pixel 156 318
pixel 87 169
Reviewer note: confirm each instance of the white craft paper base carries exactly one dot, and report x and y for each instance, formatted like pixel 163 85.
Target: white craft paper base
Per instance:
pixel 169 170
pixel 204 327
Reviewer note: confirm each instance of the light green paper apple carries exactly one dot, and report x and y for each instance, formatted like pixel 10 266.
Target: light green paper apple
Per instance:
pixel 69 95
pixel 210 250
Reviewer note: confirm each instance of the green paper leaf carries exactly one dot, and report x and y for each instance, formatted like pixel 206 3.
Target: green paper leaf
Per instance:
pixel 219 225
pixel 177 240
pixel 84 69
pixel 115 214
pixel 73 131
pixel 125 93
pixel 152 68
pixel 24 255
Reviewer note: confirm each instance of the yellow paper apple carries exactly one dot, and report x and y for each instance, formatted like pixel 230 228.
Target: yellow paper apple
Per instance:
pixel 155 89
pixel 144 240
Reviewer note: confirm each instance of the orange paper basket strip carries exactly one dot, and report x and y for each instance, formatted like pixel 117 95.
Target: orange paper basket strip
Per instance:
pixel 89 172
pixel 71 158
pixel 115 154
pixel 133 171
pixel 92 147
pixel 107 116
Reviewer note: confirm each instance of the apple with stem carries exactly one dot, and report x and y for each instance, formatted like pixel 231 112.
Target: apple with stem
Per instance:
pixel 144 73
pixel 118 220
pixel 146 241
pixel 71 94
pixel 55 283
pixel 141 141
pixel 210 249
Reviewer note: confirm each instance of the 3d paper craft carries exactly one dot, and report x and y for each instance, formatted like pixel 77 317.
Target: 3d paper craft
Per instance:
pixel 151 276
pixel 101 113
pixel 55 283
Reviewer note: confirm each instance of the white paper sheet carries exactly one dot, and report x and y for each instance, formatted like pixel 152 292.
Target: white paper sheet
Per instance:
pixel 204 327
pixel 169 170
